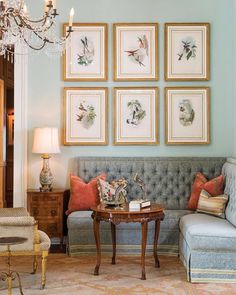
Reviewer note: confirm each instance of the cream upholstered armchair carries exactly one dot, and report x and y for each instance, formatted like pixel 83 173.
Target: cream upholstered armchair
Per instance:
pixel 17 222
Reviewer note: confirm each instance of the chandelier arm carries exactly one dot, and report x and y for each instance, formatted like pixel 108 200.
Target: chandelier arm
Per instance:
pixel 23 21
pixel 27 24
pixel 35 48
pixel 42 20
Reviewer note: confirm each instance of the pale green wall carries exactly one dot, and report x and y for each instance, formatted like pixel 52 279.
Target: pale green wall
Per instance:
pixel 45 83
pixel 234 81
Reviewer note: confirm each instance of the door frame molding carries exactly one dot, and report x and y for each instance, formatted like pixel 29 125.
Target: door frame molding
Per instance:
pixel 20 128
pixel 2 144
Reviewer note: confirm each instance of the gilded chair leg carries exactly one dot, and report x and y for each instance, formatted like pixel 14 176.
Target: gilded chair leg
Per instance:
pixel 35 265
pixel 44 268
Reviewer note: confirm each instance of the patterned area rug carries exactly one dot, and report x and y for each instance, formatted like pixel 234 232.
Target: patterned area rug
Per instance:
pixel 74 276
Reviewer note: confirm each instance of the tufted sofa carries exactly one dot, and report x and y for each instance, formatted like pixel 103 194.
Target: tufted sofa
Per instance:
pixel 208 243
pixel 168 181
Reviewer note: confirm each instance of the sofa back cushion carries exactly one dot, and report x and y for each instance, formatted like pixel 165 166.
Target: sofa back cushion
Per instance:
pixel 229 171
pixel 168 180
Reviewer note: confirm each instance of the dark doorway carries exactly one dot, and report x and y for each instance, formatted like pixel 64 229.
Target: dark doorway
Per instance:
pixel 7 75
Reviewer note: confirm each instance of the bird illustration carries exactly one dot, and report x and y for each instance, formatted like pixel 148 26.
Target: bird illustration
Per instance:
pixel 137 55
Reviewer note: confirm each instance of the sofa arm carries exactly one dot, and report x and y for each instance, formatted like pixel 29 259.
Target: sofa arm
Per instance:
pixel 17 221
pixel 13 212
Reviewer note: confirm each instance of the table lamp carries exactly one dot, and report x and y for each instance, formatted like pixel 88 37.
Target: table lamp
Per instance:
pixel 46 142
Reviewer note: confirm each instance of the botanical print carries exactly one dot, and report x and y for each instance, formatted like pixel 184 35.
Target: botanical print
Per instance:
pixel 135 51
pixel 187 119
pixel 137 113
pixel 86 115
pixel 186 112
pixel 86 52
pixel 189 49
pixel 140 51
pixel 85 57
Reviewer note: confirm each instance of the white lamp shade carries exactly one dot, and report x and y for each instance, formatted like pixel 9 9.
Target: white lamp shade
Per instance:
pixel 46 141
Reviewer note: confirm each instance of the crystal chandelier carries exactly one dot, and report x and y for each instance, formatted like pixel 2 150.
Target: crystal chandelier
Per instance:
pixel 17 27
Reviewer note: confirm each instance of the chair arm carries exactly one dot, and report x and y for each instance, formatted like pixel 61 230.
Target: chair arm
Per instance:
pixel 13 212
pixel 44 241
pixel 17 221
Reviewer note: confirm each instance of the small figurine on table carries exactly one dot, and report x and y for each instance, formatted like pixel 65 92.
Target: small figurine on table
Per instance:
pixel 142 185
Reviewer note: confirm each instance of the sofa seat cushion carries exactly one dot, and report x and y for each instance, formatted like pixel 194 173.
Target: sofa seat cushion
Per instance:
pixel 205 232
pixel 80 226
pixel 81 219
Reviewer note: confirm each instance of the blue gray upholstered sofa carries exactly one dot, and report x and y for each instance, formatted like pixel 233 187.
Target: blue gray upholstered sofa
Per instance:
pixel 206 244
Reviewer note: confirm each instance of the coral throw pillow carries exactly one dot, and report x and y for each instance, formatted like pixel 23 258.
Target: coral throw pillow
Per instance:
pixel 83 195
pixel 214 187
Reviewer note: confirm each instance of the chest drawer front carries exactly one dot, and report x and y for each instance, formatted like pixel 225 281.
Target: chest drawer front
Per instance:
pixel 41 198
pixel 46 211
pixel 51 228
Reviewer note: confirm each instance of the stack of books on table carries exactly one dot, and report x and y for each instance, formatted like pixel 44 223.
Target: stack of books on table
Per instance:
pixel 139 204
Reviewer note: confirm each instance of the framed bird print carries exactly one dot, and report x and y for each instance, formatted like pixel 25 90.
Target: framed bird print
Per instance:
pixel 85 57
pixel 135 115
pixel 187 51
pixel 85 119
pixel 187 115
pixel 135 51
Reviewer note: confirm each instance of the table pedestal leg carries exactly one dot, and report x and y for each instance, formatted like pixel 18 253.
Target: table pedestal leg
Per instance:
pixel 144 243
pixel 9 277
pixel 96 224
pixel 156 235
pixel 113 235
pixel 9 285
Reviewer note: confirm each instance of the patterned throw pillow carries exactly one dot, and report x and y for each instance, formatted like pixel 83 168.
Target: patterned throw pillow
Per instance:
pixel 112 193
pixel 83 195
pixel 214 187
pixel 212 205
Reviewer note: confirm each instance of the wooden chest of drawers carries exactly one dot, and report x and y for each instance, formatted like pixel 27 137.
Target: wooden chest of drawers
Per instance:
pixel 47 209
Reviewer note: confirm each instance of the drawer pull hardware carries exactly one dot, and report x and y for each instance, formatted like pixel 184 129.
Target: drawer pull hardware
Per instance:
pixel 53 212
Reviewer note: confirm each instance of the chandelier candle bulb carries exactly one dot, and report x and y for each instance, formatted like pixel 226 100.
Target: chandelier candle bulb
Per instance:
pixel 72 12
pixel 25 10
pixel 45 5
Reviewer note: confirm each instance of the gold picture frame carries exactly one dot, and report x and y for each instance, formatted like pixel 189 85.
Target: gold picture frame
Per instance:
pixel 187 115
pixel 187 51
pixel 85 116
pixel 90 63
pixel 137 60
pixel 135 115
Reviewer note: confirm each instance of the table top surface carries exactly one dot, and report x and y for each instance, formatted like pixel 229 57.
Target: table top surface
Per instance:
pixel 12 240
pixel 124 209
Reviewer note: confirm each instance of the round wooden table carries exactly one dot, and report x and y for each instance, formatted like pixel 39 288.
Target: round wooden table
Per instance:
pixel 11 275
pixel 122 214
